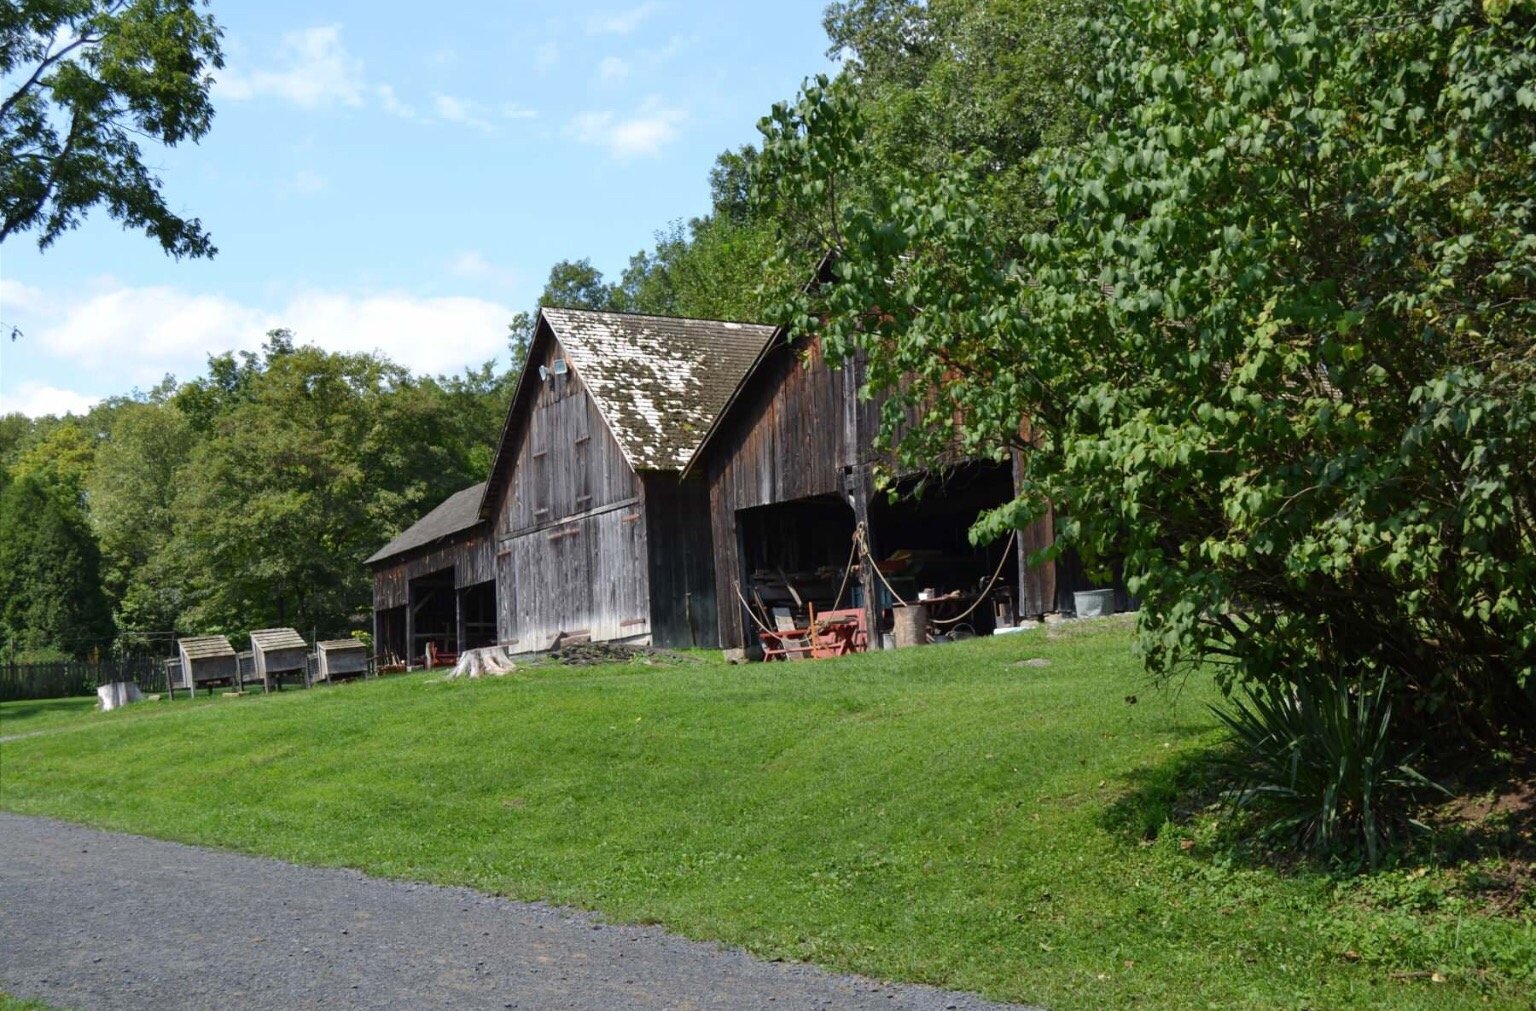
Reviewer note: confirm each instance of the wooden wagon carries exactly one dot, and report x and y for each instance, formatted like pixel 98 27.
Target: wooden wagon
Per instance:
pixel 279 653
pixel 341 658
pixel 206 660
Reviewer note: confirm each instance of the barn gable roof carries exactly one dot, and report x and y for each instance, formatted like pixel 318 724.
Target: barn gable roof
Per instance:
pixel 455 514
pixel 657 381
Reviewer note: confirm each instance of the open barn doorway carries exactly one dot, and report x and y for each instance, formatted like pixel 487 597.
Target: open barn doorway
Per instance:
pixel 921 540
pixel 389 636
pixel 477 606
pixel 795 557
pixel 433 616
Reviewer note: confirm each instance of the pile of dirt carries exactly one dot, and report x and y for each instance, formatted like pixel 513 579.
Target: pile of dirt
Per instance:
pixel 591 654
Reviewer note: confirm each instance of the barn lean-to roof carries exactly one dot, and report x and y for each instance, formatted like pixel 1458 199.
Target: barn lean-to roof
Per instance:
pixel 780 338
pixel 659 382
pixel 455 514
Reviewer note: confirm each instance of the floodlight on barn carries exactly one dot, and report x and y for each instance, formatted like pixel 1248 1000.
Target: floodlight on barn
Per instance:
pixel 279 652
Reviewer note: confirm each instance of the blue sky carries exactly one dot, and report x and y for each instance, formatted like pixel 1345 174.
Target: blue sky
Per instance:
pixel 377 179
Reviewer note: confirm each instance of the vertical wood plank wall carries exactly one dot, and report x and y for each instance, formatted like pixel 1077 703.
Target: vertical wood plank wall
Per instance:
pixel 791 435
pixel 570 531
pixel 681 569
pixel 798 430
pixel 469 556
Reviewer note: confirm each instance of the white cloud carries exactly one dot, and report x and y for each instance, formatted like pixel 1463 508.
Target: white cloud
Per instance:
pixel 643 133
pixel 390 102
pixel 515 110
pixel 472 265
pixel 547 56
pixel 315 70
pixel 137 335
pixel 16 297
pixel 303 183
pixel 458 110
pixel 620 22
pixel 612 70
pixel 37 399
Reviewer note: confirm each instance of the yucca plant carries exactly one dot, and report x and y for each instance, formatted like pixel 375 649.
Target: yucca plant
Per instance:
pixel 1316 762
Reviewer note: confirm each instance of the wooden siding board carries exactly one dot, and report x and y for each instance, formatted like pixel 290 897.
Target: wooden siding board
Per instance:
pixel 470 556
pixel 585 576
pixel 790 437
pixel 566 461
pixel 566 558
pixel 683 610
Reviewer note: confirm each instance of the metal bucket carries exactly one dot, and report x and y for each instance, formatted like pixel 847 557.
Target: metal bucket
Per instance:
pixel 1094 603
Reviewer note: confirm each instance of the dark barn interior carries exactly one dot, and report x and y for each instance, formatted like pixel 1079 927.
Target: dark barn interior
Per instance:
pixel 478 605
pixel 433 614
pixel 921 539
pixel 389 634
pixel 795 554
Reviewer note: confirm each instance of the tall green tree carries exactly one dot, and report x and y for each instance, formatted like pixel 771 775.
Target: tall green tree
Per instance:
pixel 304 470
pixel 1276 350
pixel 61 459
pixel 85 82
pixel 131 489
pixel 50 581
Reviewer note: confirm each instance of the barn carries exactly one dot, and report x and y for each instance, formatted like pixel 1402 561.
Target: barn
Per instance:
pixel 597 534
pixel 790 468
pixel 436 583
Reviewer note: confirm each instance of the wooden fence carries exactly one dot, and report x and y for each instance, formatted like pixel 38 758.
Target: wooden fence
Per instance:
pixel 61 680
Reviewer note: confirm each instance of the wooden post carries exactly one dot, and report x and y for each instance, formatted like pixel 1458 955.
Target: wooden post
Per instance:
pixel 1037 584
pixel 410 623
pixel 458 620
pixel 858 495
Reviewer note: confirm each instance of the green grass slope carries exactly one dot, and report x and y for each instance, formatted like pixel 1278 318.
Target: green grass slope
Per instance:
pixel 948 815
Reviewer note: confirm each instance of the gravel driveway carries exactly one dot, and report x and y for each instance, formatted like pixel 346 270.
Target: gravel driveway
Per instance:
pixel 93 919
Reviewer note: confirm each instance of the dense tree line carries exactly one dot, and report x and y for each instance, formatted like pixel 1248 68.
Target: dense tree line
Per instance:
pixel 1252 294
pixel 244 498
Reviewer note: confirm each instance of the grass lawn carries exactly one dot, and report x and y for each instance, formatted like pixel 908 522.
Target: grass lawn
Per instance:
pixel 9 1003
pixel 947 815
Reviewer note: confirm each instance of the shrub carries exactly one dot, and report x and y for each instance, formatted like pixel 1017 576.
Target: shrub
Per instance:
pixel 1319 766
pixel 1277 351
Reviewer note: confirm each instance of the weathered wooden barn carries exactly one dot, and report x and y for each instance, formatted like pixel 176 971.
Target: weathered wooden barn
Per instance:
pixel 790 468
pixel 654 474
pixel 596 533
pixel 436 583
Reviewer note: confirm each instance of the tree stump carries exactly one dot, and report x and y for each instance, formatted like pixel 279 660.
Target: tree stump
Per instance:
pixel 474 663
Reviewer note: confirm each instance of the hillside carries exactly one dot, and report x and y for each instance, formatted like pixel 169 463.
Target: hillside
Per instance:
pixel 955 815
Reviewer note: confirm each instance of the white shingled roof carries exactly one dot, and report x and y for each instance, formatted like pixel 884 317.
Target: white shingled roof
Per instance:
pixel 659 381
